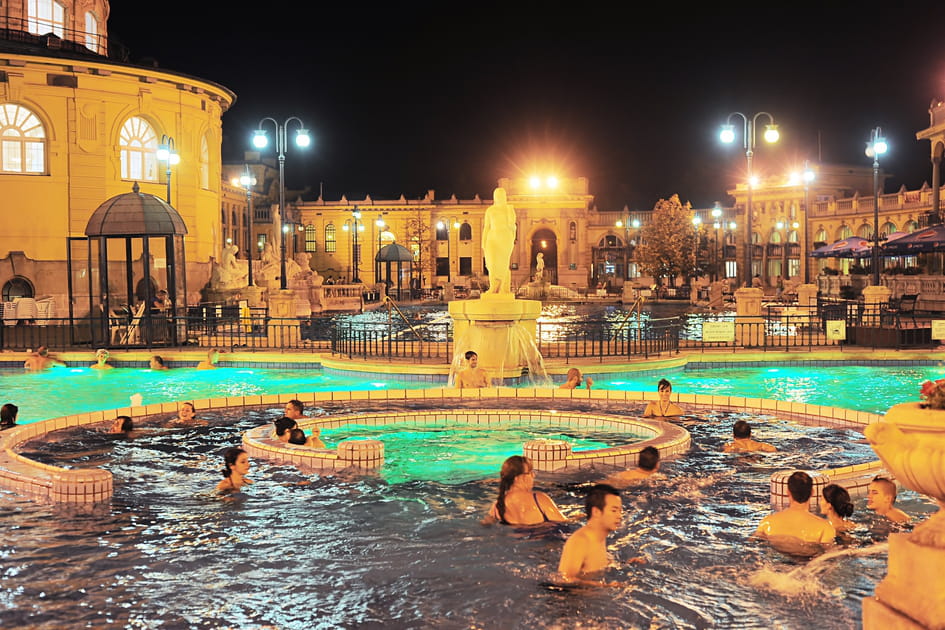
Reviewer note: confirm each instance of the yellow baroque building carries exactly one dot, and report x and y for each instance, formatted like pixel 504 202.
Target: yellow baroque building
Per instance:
pixel 79 125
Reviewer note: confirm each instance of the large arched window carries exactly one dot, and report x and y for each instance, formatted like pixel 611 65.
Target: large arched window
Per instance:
pixel 330 238
pixel 887 228
pixel 46 16
pixel 844 232
pixel 204 163
pixel 22 141
pixel 139 145
pixel 91 33
pixel 465 232
pixel 311 234
pixel 865 231
pixel 17 287
pixel 910 227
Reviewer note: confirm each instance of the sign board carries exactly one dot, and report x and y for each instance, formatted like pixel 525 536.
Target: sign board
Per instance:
pixel 718 331
pixel 938 329
pixel 837 329
pixel 160 263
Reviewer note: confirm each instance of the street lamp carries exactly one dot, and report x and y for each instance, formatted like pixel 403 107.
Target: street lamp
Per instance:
pixel 445 225
pixel 727 135
pixel 167 152
pixel 379 226
pixel 807 176
pixel 356 225
pixel 716 223
pixel 629 245
pixel 260 141
pixel 247 180
pixel 697 224
pixel 874 148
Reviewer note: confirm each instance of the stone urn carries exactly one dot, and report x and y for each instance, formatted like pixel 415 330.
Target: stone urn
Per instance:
pixel 910 440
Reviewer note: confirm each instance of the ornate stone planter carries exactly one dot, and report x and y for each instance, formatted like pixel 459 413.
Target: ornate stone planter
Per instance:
pixel 911 442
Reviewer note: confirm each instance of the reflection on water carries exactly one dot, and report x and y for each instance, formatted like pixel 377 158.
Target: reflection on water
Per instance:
pixel 303 551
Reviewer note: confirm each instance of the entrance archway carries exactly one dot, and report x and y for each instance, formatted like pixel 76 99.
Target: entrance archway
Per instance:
pixel 544 242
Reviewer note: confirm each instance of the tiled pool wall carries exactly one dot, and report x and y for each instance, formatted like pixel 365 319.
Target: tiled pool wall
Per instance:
pixel 51 483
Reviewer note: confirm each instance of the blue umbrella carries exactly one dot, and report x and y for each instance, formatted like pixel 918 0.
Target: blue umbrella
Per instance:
pixel 930 239
pixel 853 247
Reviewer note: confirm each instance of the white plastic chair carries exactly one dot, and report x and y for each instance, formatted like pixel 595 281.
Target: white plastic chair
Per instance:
pixel 9 314
pixel 26 309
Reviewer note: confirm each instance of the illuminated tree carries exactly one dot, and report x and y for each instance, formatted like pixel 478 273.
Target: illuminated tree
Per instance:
pixel 419 233
pixel 668 242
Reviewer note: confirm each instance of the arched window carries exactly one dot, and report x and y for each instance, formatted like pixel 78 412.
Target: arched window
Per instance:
pixel 609 241
pixel 775 236
pixel 46 16
pixel 91 33
pixel 17 287
pixel 792 236
pixel 865 231
pixel 910 227
pixel 139 145
pixel 22 141
pixel 572 231
pixel 844 232
pixel 442 230
pixel 204 163
pixel 311 245
pixel 465 232
pixel 887 228
pixel 330 238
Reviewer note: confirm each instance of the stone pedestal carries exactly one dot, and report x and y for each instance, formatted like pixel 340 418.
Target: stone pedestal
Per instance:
pixel 807 296
pixel 749 324
pixel 500 329
pixel 253 296
pixel 283 328
pixel 874 299
pixel 913 591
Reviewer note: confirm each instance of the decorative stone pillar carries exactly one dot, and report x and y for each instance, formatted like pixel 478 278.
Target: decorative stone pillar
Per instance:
pixel 283 328
pixel 547 455
pixel 807 296
pixel 253 296
pixel 749 324
pixel 362 453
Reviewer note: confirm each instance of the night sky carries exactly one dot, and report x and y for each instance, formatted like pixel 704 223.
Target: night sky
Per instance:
pixel 452 96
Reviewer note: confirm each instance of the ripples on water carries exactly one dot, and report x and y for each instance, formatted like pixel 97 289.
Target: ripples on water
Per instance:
pixel 345 550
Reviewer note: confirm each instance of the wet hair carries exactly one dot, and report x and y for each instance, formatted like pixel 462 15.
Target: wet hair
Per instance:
pixel 127 424
pixel 574 373
pixel 284 424
pixel 470 354
pixel 512 467
pixel 839 500
pixel 800 485
pixel 230 456
pixel 888 486
pixel 42 351
pixel 100 352
pixel 297 436
pixel 8 415
pixel 742 429
pixel 158 359
pixel 597 497
pixel 664 384
pixel 299 406
pixel 649 458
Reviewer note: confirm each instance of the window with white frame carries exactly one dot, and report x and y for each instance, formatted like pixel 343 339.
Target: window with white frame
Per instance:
pixel 46 16
pixel 91 33
pixel 139 145
pixel 22 141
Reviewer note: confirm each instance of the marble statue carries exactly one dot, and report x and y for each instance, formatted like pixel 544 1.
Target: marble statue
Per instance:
pixel 539 267
pixel 498 240
pixel 228 273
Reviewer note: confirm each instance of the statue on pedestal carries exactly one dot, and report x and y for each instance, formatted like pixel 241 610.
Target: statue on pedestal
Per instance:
pixel 498 240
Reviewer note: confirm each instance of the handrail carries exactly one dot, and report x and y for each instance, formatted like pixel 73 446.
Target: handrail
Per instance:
pixel 636 307
pixel 390 302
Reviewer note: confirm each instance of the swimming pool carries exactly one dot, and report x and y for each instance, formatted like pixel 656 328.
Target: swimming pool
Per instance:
pixel 303 551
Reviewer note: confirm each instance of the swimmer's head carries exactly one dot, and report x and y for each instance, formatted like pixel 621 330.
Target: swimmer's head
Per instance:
pixel 234 458
pixel 102 353
pixel 297 436
pixel 838 498
pixel 597 498
pixel 649 458
pixel 741 430
pixel 157 362
pixel 664 386
pixel 42 351
pixel 122 424
pixel 283 426
pixel 800 486
pixel 574 374
pixel 8 414
pixel 881 494
pixel 294 409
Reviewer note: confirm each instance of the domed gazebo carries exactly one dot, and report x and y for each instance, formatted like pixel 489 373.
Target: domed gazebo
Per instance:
pixel 149 257
pixel 399 254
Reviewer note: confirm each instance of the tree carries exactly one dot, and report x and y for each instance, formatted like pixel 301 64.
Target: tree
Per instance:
pixel 668 242
pixel 419 234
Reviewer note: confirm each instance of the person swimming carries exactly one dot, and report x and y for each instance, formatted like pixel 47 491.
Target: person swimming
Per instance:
pixel 836 506
pixel 796 523
pixel 40 360
pixel 157 363
pixel 881 498
pixel 663 407
pixel 743 443
pixel 235 468
pixel 122 425
pixel 648 462
pixel 101 360
pixel 517 503
pixel 575 379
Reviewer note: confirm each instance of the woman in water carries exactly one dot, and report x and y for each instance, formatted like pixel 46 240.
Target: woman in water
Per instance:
pixel 836 506
pixel 235 467
pixel 518 503
pixel 664 406
pixel 187 415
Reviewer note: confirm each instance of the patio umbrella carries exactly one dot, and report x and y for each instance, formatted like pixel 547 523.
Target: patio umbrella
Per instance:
pixel 930 239
pixel 853 247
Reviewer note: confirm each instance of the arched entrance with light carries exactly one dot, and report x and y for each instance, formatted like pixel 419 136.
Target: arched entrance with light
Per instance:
pixel 544 242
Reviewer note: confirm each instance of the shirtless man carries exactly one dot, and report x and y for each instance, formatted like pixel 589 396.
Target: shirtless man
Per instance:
pixel 575 379
pixel 40 360
pixel 881 498
pixel 663 407
pixel 213 355
pixel 101 360
pixel 743 442
pixel 295 410
pixel 796 521
pixel 648 462
pixel 585 552
pixel 473 376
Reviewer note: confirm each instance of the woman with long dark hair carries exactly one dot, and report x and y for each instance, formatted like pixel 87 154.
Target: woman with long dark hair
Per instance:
pixel 235 467
pixel 518 503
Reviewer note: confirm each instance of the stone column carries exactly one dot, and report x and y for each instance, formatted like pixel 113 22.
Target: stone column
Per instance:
pixel 749 324
pixel 283 328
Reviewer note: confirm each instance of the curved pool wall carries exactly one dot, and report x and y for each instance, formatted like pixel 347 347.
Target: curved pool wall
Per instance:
pixel 45 482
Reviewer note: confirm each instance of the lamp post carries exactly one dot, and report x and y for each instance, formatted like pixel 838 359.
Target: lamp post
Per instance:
pixel 379 226
pixel 626 225
pixel 444 224
pixel 356 225
pixel 727 135
pixel 716 223
pixel 247 180
pixel 874 148
pixel 167 152
pixel 697 224
pixel 302 140
pixel 808 176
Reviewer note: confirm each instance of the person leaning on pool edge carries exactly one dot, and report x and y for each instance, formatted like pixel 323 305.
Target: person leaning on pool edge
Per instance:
pixel 663 407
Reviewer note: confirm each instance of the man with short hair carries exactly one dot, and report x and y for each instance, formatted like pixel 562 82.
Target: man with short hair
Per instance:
pixel 40 360
pixel 743 442
pixel 473 376
pixel 648 462
pixel 881 498
pixel 585 552
pixel 295 410
pixel 796 521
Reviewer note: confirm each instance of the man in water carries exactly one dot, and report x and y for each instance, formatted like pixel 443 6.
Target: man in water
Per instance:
pixel 213 355
pixel 575 379
pixel 648 462
pixel 122 424
pixel 796 521
pixel 473 376
pixel 295 410
pixel 40 360
pixel 881 498
pixel 743 442
pixel 585 552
